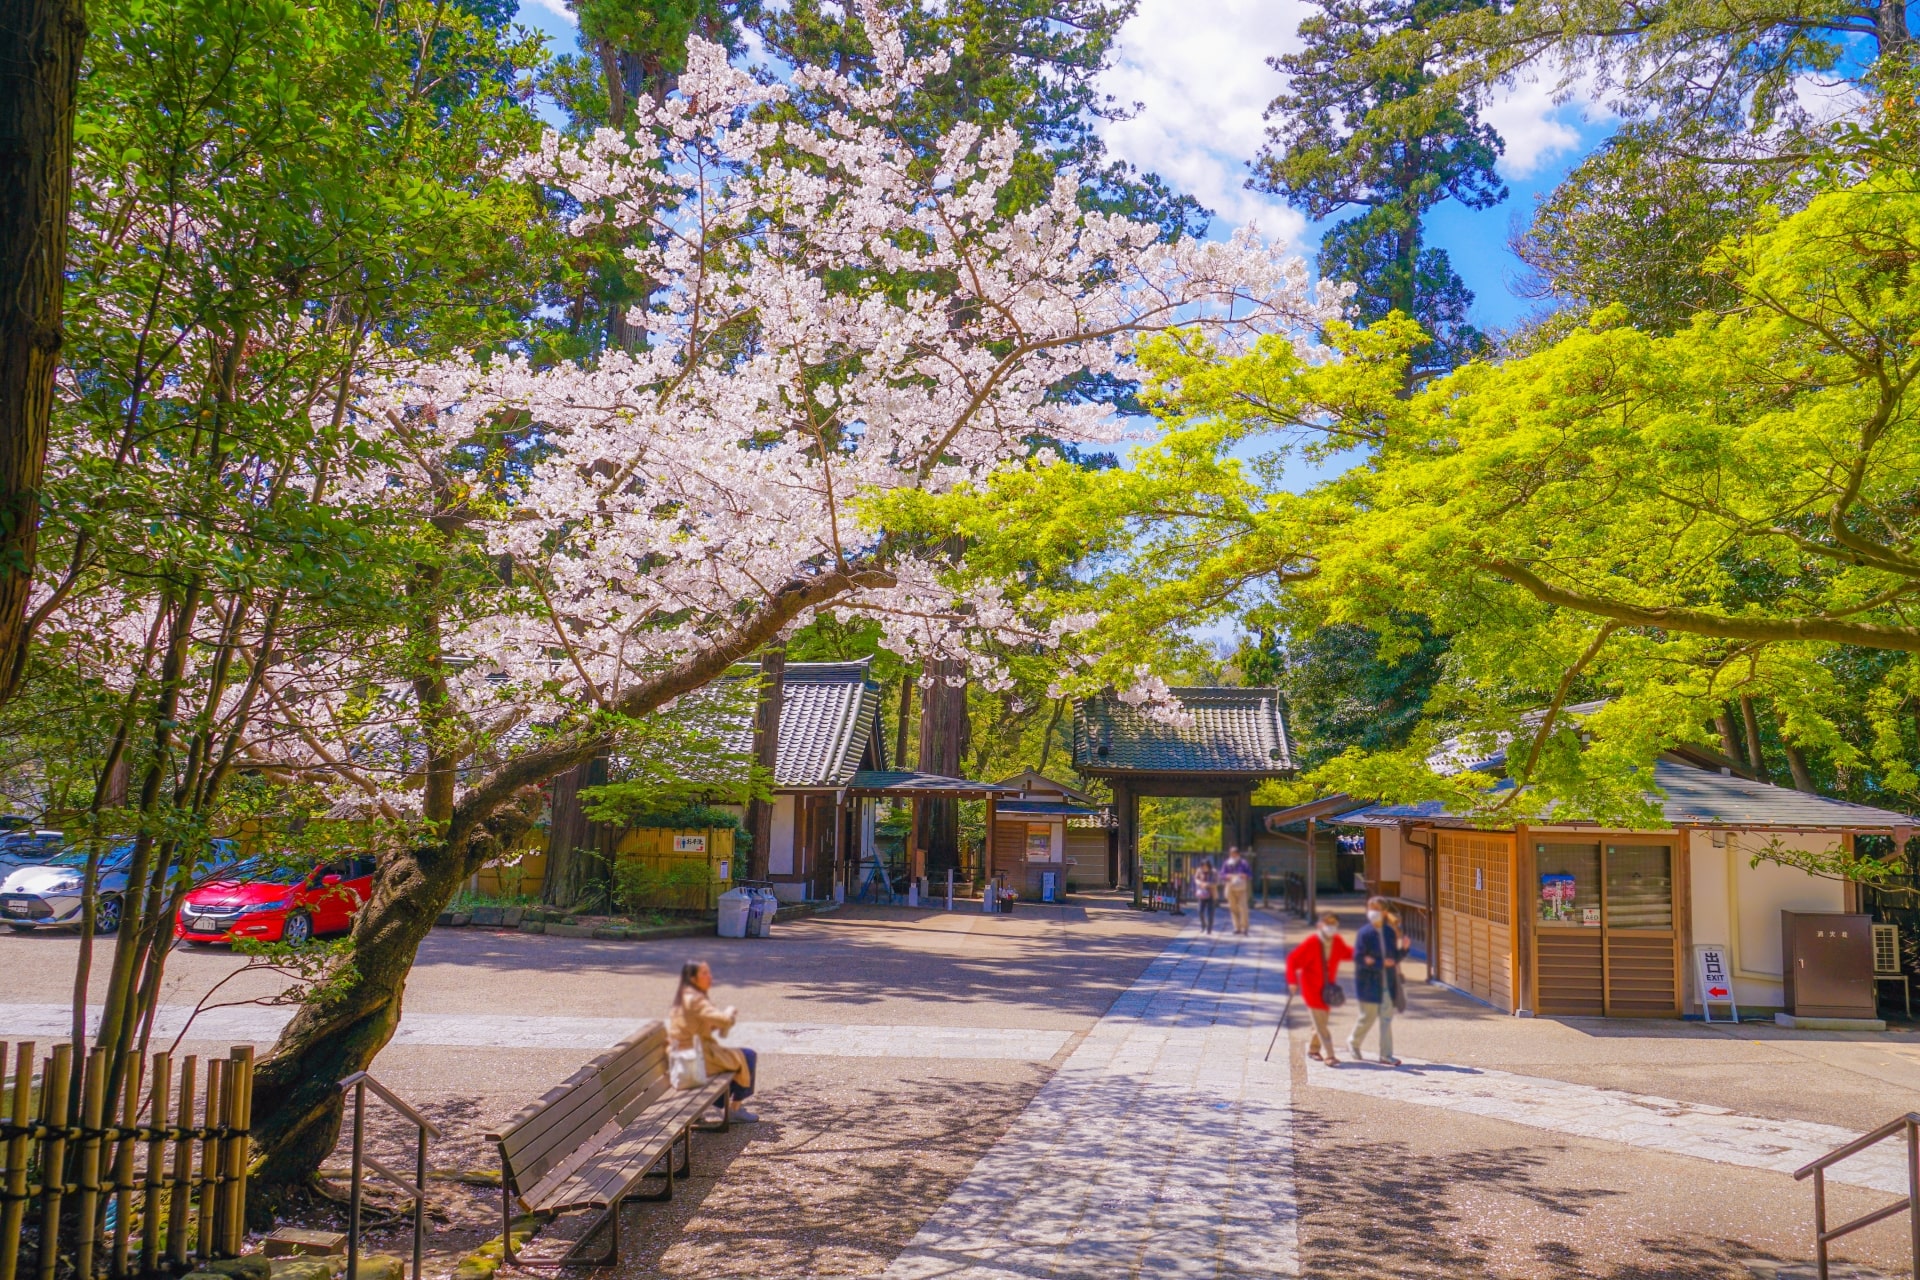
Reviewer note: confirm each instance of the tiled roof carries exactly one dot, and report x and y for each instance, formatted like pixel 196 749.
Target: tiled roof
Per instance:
pixel 828 714
pixel 1044 809
pixel 1696 797
pixel 1240 731
pixel 1489 752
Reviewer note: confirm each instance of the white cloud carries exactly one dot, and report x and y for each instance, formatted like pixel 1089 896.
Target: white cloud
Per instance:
pixel 552 10
pixel 1536 127
pixel 1199 72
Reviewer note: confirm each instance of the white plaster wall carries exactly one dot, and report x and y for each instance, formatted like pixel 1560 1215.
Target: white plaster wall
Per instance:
pixel 780 846
pixel 1389 853
pixel 1740 905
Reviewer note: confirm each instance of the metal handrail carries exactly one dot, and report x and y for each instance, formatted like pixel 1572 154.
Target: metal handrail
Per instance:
pixel 1910 1125
pixel 416 1190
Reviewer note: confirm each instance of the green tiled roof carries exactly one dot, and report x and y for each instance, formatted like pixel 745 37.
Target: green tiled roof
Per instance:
pixel 1235 731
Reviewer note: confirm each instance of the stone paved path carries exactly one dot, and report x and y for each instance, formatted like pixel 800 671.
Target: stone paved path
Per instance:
pixel 1162 1147
pixel 1637 1120
pixel 258 1024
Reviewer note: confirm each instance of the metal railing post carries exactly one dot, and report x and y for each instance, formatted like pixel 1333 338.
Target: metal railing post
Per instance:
pixel 353 1195
pixel 1913 1191
pixel 1820 1222
pixel 420 1204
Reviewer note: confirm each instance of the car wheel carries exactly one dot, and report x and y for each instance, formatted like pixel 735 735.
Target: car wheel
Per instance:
pixel 106 916
pixel 297 929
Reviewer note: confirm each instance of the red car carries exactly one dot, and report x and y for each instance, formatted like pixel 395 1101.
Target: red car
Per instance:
pixel 269 901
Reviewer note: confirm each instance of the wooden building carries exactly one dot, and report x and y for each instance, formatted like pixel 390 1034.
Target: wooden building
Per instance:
pixel 830 773
pixel 1578 919
pixel 1236 740
pixel 1041 827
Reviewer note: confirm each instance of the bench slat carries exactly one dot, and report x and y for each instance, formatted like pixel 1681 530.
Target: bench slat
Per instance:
pixel 546 1133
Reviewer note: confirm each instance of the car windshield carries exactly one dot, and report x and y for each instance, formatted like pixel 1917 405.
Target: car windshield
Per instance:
pixel 114 859
pixel 266 871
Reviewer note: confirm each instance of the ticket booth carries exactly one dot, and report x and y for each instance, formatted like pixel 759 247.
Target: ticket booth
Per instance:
pixel 1604 937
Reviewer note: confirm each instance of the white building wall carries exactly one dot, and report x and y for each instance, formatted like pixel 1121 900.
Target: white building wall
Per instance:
pixel 1739 905
pixel 1389 853
pixel 780 844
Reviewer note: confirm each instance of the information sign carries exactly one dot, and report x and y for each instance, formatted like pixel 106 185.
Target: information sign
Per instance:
pixel 689 844
pixel 1713 979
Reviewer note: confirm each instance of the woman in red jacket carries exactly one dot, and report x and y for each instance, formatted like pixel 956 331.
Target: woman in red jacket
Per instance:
pixel 1313 969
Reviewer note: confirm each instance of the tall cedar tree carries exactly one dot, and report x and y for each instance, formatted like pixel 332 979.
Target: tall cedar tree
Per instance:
pixel 39 76
pixel 1345 138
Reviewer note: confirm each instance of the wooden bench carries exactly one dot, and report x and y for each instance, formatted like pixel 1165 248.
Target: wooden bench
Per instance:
pixel 594 1138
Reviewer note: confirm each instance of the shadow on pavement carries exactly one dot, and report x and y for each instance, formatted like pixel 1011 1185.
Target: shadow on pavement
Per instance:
pixel 1381 1211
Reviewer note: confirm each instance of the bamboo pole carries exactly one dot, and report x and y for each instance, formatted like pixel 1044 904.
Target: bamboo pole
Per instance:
pixel 54 1078
pixel 233 1197
pixel 123 1169
pixel 93 1098
pixel 19 1114
pixel 161 1089
pixel 181 1192
pixel 207 1234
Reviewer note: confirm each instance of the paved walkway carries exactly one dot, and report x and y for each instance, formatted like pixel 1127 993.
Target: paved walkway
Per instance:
pixel 1162 1147
pixel 260 1024
pixel 1636 1120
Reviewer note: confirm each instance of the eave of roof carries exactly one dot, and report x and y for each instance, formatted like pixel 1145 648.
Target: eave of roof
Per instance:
pixel 1693 797
pixel 910 782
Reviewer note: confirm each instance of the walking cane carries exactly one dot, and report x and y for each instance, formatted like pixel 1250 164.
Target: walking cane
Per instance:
pixel 1285 1009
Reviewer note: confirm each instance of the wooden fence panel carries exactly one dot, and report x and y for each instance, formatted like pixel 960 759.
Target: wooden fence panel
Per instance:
pixel 92 1154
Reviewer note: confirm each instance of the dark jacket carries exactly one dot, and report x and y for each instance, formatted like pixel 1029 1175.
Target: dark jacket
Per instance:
pixel 1372 947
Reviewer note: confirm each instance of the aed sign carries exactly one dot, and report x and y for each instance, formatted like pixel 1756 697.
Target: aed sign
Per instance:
pixel 1713 978
pixel 689 844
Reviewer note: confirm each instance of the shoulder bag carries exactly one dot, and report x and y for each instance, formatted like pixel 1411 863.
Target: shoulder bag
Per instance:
pixel 687 1068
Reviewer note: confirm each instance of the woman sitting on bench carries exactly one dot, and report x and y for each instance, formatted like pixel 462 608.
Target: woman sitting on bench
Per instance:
pixel 695 1018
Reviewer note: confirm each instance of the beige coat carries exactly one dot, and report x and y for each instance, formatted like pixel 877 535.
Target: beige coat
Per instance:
pixel 699 1018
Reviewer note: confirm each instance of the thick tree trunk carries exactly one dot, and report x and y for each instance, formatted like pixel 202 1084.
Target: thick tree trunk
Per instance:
pixel 1755 756
pixel 766 753
pixel 573 859
pixel 1729 738
pixel 905 721
pixel 41 42
pixel 297 1106
pixel 943 747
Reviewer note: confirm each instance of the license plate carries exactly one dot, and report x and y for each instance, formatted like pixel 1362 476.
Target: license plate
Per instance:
pixel 15 907
pixel 205 924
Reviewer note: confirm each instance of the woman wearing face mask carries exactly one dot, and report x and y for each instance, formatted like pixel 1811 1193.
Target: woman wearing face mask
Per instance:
pixel 1313 973
pixel 1376 974
pixel 1206 891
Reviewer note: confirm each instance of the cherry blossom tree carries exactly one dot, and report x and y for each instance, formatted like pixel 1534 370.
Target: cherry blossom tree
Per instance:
pixel 835 325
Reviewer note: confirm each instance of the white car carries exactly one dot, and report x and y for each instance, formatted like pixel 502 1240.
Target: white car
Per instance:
pixel 48 896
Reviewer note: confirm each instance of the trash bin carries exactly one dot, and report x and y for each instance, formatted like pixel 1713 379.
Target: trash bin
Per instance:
pixel 760 921
pixel 736 905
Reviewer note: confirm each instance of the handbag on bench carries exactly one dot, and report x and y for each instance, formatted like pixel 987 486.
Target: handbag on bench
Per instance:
pixel 687 1068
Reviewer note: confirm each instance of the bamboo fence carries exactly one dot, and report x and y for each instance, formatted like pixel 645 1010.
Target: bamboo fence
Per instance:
pixel 85 1191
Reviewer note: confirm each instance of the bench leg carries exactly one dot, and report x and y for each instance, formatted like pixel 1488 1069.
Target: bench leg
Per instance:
pixel 654 1196
pixel 609 1217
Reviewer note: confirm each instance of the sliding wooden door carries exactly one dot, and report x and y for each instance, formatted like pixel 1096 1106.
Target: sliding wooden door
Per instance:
pixel 1475 908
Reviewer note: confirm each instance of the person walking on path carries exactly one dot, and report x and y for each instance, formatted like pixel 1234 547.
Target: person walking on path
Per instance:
pixel 1237 876
pixel 1376 980
pixel 694 1018
pixel 1313 973
pixel 1206 892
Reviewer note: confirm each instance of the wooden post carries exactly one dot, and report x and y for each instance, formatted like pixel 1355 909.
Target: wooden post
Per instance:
pixel 233 1191
pixel 989 843
pixel 123 1167
pixel 1313 877
pixel 19 1115
pixel 161 1087
pixel 54 1078
pixel 180 1194
pixel 210 1170
pixel 1521 901
pixel 93 1096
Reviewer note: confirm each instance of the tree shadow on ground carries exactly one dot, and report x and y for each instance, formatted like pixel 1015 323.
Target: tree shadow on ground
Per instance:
pixel 833 1181
pixel 1380 1211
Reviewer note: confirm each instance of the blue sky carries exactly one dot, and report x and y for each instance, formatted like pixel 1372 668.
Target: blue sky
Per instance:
pixel 1197 68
